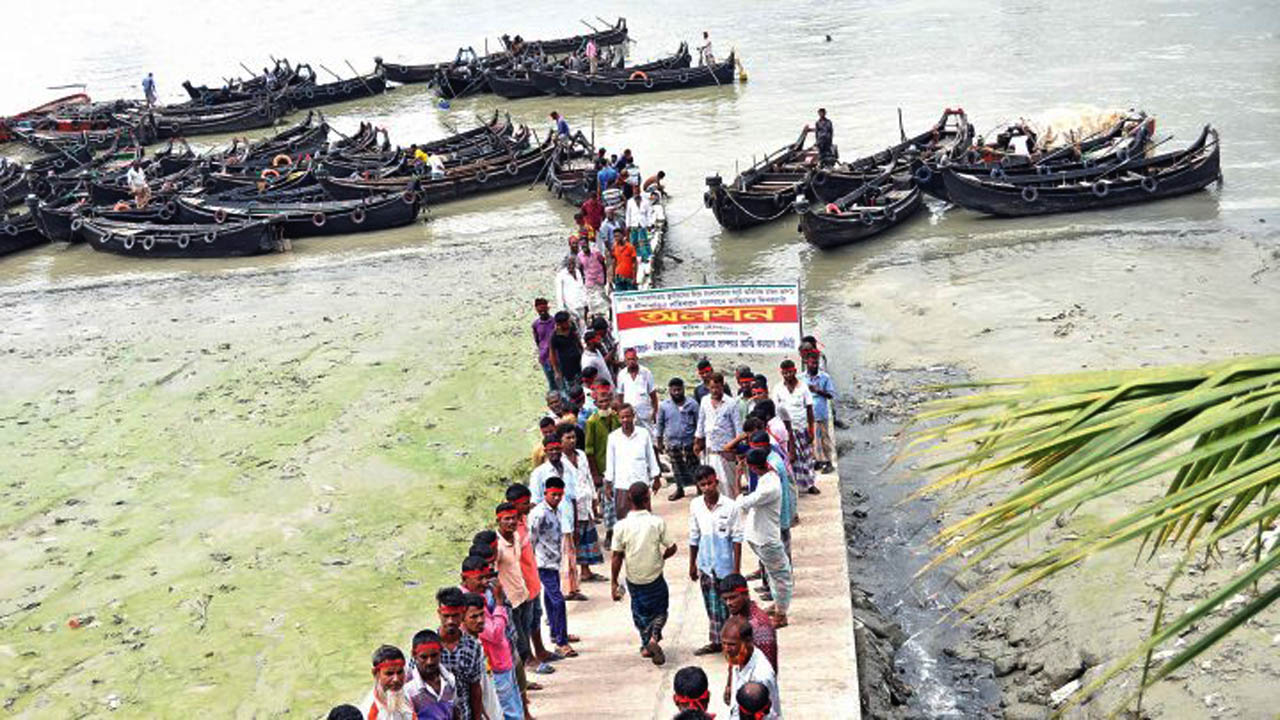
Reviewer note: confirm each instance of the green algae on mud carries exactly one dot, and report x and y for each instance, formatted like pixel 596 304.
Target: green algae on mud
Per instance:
pixel 235 512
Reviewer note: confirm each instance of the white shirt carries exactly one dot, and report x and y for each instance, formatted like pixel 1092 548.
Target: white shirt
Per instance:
pixel 437 164
pixel 136 178
pixel 630 459
pixel 538 487
pixel 586 485
pixel 762 510
pixel 758 670
pixel 794 402
pixel 370 701
pixel 635 391
pixel 635 213
pixel 570 292
pixel 593 358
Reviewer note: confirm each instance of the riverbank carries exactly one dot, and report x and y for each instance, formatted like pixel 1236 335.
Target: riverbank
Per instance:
pixel 226 487
pixel 1053 304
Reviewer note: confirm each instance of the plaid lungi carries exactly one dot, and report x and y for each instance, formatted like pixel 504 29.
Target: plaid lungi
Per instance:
pixel 717 611
pixel 822 449
pixel 589 543
pixel 683 462
pixel 802 463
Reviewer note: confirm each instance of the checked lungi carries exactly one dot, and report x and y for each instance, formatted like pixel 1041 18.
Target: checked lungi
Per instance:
pixel 717 611
pixel 649 603
pixel 823 452
pixel 589 544
pixel 802 463
pixel 683 462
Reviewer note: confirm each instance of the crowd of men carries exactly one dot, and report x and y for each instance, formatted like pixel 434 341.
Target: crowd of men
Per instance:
pixel 745 454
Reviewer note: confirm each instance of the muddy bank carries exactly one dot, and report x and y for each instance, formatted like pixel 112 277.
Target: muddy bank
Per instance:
pixel 221 487
pixel 1046 305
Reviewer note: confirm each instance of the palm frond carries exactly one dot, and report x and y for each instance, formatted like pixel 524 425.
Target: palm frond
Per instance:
pixel 1210 434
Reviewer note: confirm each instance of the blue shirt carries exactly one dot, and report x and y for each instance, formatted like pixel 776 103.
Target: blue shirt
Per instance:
pixel 605 236
pixel 562 127
pixel 821 381
pixel 714 531
pixel 148 85
pixel 778 465
pixel 677 423
pixel 605 177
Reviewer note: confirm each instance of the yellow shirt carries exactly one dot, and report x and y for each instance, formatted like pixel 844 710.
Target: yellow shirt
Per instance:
pixel 642 537
pixel 420 155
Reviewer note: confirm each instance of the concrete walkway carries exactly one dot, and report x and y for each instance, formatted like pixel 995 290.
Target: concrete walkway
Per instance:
pixel 819 671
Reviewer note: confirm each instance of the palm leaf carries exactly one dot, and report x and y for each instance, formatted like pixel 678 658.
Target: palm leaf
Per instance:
pixel 1210 434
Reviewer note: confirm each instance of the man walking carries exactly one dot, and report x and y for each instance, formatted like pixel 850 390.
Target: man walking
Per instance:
pixel 595 276
pixel 677 421
pixel 629 459
pixel 149 89
pixel 718 425
pixel 547 535
pixel 641 542
pixel 625 264
pixel 635 383
pixel 715 550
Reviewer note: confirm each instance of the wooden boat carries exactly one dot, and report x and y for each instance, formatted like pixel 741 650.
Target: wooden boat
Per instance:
pixel 572 177
pixel 430 72
pixel 763 192
pixel 1127 136
pixel 283 76
pixel 217 119
pixel 253 237
pixel 495 173
pixel 51 141
pixel 309 95
pixel 876 206
pixel 720 74
pixel 947 140
pixel 1121 183
pixel 49 108
pixel 310 215
pixel 19 232
pixel 515 82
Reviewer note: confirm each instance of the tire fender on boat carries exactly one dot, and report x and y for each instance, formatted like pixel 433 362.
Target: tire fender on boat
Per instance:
pixel 148 242
pixel 684 76
pixel 867 219
pixel 1123 155
pixel 309 93
pixel 621 84
pixel 281 160
pixel 409 197
pixel 59 163
pixel 1030 193
pixel 357 216
pixel 165 213
pixel 183 242
pixel 220 215
pixel 820 177
pixel 706 199
pixel 319 219
pixel 76 224
pixel 481 176
pixel 1150 184
pixel 10 229
pixel 128 242
pixel 512 168
pixel 1101 188
pixel 106 237
pixel 924 173
pixel 209 238
pixel 564 80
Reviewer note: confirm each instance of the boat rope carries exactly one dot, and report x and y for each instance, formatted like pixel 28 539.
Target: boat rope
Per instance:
pixel 686 218
pixel 748 213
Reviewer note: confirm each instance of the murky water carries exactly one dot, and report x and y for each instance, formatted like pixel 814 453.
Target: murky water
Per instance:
pixel 1188 63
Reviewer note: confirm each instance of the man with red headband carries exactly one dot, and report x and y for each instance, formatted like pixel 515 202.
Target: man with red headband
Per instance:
pixel 431 688
pixel 640 541
pixel 823 390
pixel 599 427
pixel 677 421
pixel 547 535
pixel 754 702
pixel 387 700
pixel 746 665
pixel 737 598
pixel 460 653
pixel 794 401
pixel 498 636
pixel 521 590
pixel 692 689
pixel 718 424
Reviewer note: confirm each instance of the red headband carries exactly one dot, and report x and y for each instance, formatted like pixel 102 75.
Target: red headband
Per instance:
pixel 475 573
pixel 699 703
pixel 507 513
pixel 760 715
pixel 759 444
pixel 737 588
pixel 429 645
pixel 389 664
pixel 553 444
pixel 451 609
pixel 555 491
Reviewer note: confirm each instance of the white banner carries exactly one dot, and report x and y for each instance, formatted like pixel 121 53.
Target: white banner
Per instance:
pixel 740 319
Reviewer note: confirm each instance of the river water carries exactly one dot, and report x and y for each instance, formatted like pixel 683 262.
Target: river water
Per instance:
pixel 946 287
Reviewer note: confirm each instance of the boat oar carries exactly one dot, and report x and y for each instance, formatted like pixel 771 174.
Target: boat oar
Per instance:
pixel 322 67
pixel 252 74
pixel 584 22
pixel 67 87
pixel 901 130
pixel 362 80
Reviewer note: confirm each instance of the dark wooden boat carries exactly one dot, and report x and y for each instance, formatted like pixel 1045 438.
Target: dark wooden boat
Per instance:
pixel 637 81
pixel 253 237
pixel 876 206
pixel 1127 136
pixel 763 192
pixel 51 140
pixel 230 118
pixel 56 216
pixel 430 72
pixel 19 231
pixel 50 108
pixel 316 94
pixel 1122 183
pixel 572 177
pixel 310 215
pixel 948 140
pixel 283 75
pixel 516 82
pixel 494 173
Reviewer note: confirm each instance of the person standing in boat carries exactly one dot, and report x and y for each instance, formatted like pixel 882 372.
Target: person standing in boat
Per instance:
pixel 593 55
pixel 149 89
pixel 824 135
pixel 705 56
pixel 561 125
pixel 137 180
